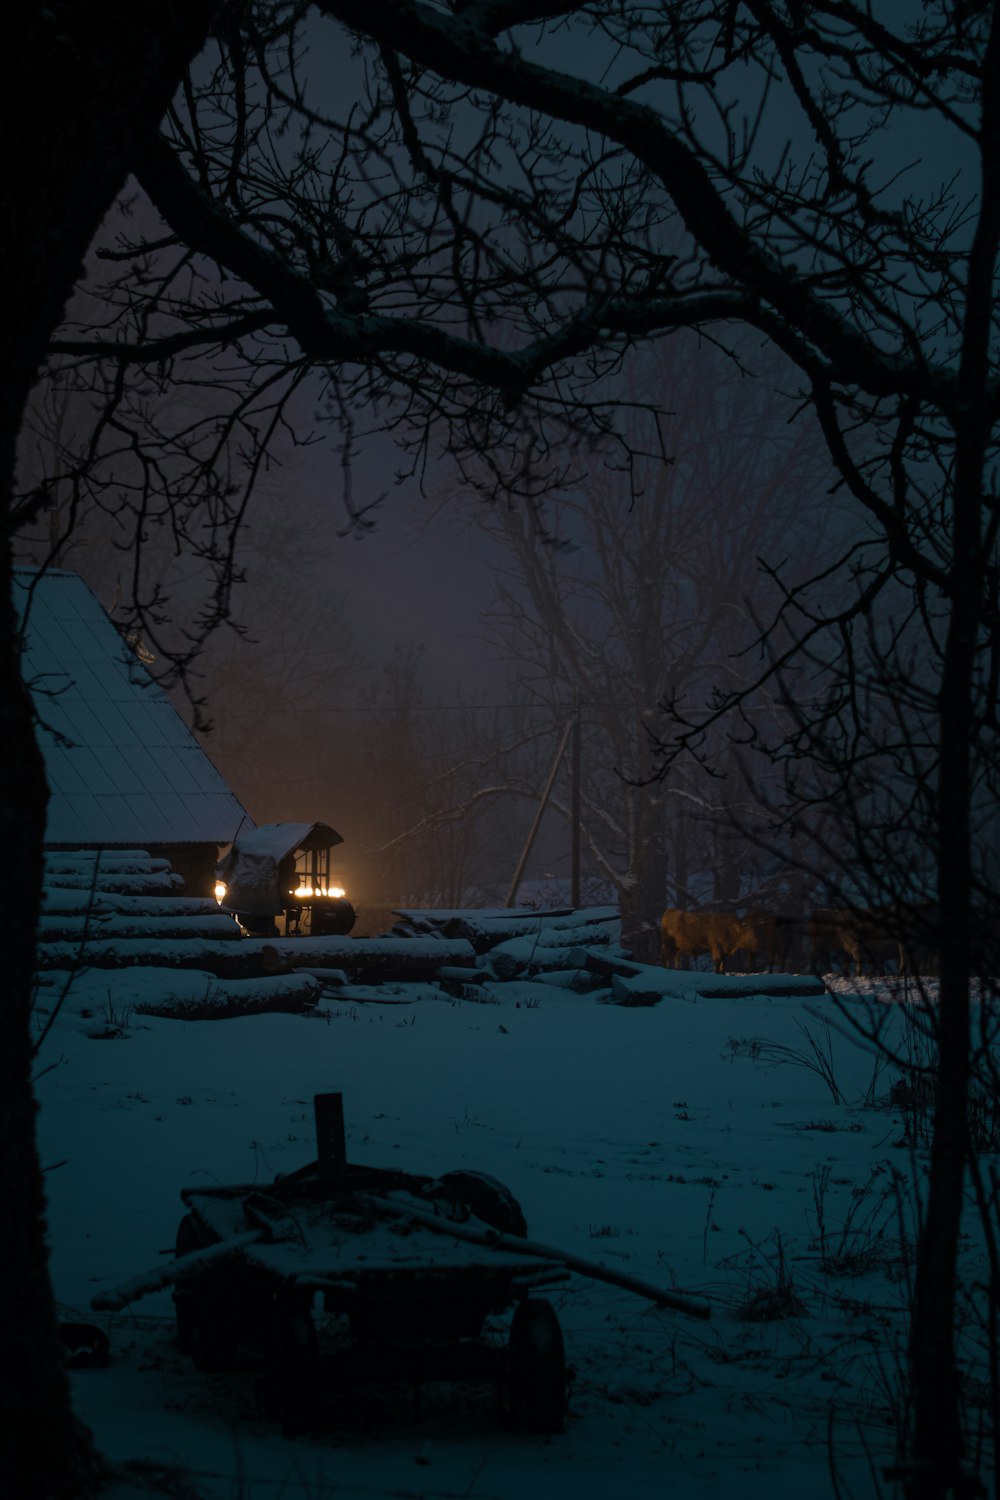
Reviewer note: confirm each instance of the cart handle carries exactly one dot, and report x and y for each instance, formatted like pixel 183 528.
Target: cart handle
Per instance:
pixel 181 1269
pixel 512 1242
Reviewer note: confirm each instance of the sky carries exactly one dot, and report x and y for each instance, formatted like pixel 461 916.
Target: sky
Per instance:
pixel 413 580
pixel 420 579
pixel 407 582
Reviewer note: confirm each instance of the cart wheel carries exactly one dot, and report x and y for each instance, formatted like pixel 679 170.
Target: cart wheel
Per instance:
pixel 333 918
pixel 536 1371
pixel 189 1238
pixel 207 1308
pixel 488 1199
pixel 295 1372
pixel 214 1325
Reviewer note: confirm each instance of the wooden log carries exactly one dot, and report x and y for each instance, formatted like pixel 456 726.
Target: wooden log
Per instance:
pixel 588 916
pixel 509 961
pixel 506 918
pixel 377 994
pixel 715 986
pixel 608 968
pixel 651 985
pixel 407 993
pixel 109 861
pixel 160 884
pixel 577 980
pixel 74 901
pixel 454 976
pixel 483 928
pixel 495 1240
pixel 226 999
pixel 251 957
pixel 434 916
pixel 171 1273
pixel 102 926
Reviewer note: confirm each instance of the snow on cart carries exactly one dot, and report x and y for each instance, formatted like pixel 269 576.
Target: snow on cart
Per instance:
pixel 412 1266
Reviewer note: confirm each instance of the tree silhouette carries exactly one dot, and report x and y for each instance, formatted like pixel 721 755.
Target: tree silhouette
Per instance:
pixel 455 224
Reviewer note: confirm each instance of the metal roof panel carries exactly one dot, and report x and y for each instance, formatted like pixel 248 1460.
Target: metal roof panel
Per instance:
pixel 134 772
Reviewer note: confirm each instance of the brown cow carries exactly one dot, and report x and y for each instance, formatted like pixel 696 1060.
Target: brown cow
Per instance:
pixel 775 938
pixel 919 929
pixel 861 939
pixel 692 932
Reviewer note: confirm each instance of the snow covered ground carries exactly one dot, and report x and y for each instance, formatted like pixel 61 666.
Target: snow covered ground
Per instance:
pixel 694 1143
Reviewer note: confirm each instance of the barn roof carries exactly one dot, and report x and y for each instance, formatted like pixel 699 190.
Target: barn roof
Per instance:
pixel 123 767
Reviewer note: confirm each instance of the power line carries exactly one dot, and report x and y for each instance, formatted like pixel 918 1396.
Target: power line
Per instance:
pixel 444 708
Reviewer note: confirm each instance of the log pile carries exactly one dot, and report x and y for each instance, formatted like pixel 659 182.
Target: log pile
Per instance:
pixel 519 942
pixel 119 932
pixel 125 911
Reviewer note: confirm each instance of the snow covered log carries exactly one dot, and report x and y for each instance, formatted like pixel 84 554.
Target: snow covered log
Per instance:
pixel 118 861
pixel 742 986
pixel 183 1268
pixel 106 999
pixel 386 958
pixel 154 884
pixel 99 925
pixel 600 965
pixel 484 933
pixel 580 981
pixel 433 919
pixel 74 901
pixel 453 978
pixel 221 1000
pixel 487 928
pixel 590 935
pixel 477 1233
pixel 384 994
pixel 651 985
pixel 522 957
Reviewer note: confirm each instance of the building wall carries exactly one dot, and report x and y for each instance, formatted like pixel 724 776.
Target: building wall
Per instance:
pixel 194 863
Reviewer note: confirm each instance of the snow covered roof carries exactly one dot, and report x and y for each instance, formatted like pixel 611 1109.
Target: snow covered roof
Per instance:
pixel 122 766
pixel 275 840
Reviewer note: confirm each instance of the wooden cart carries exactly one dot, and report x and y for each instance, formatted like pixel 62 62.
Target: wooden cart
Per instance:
pixel 412 1267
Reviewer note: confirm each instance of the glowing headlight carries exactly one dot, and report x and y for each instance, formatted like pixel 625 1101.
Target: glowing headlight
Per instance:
pixel 220 890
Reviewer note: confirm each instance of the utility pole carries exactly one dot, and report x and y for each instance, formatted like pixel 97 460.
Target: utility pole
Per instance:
pixel 540 810
pixel 574 861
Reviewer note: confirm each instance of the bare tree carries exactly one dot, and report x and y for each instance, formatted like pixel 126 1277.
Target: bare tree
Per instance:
pixel 460 239
pixel 879 290
pixel 437 780
pixel 643 585
pixel 107 82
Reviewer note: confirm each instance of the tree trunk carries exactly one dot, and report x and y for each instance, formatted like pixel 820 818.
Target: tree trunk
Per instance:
pixel 641 898
pixel 681 876
pixel 43 1450
pixel 91 80
pixel 938 1444
pixel 726 874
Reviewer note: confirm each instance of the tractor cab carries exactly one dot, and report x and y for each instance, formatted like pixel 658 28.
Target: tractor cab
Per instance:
pixel 278 881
